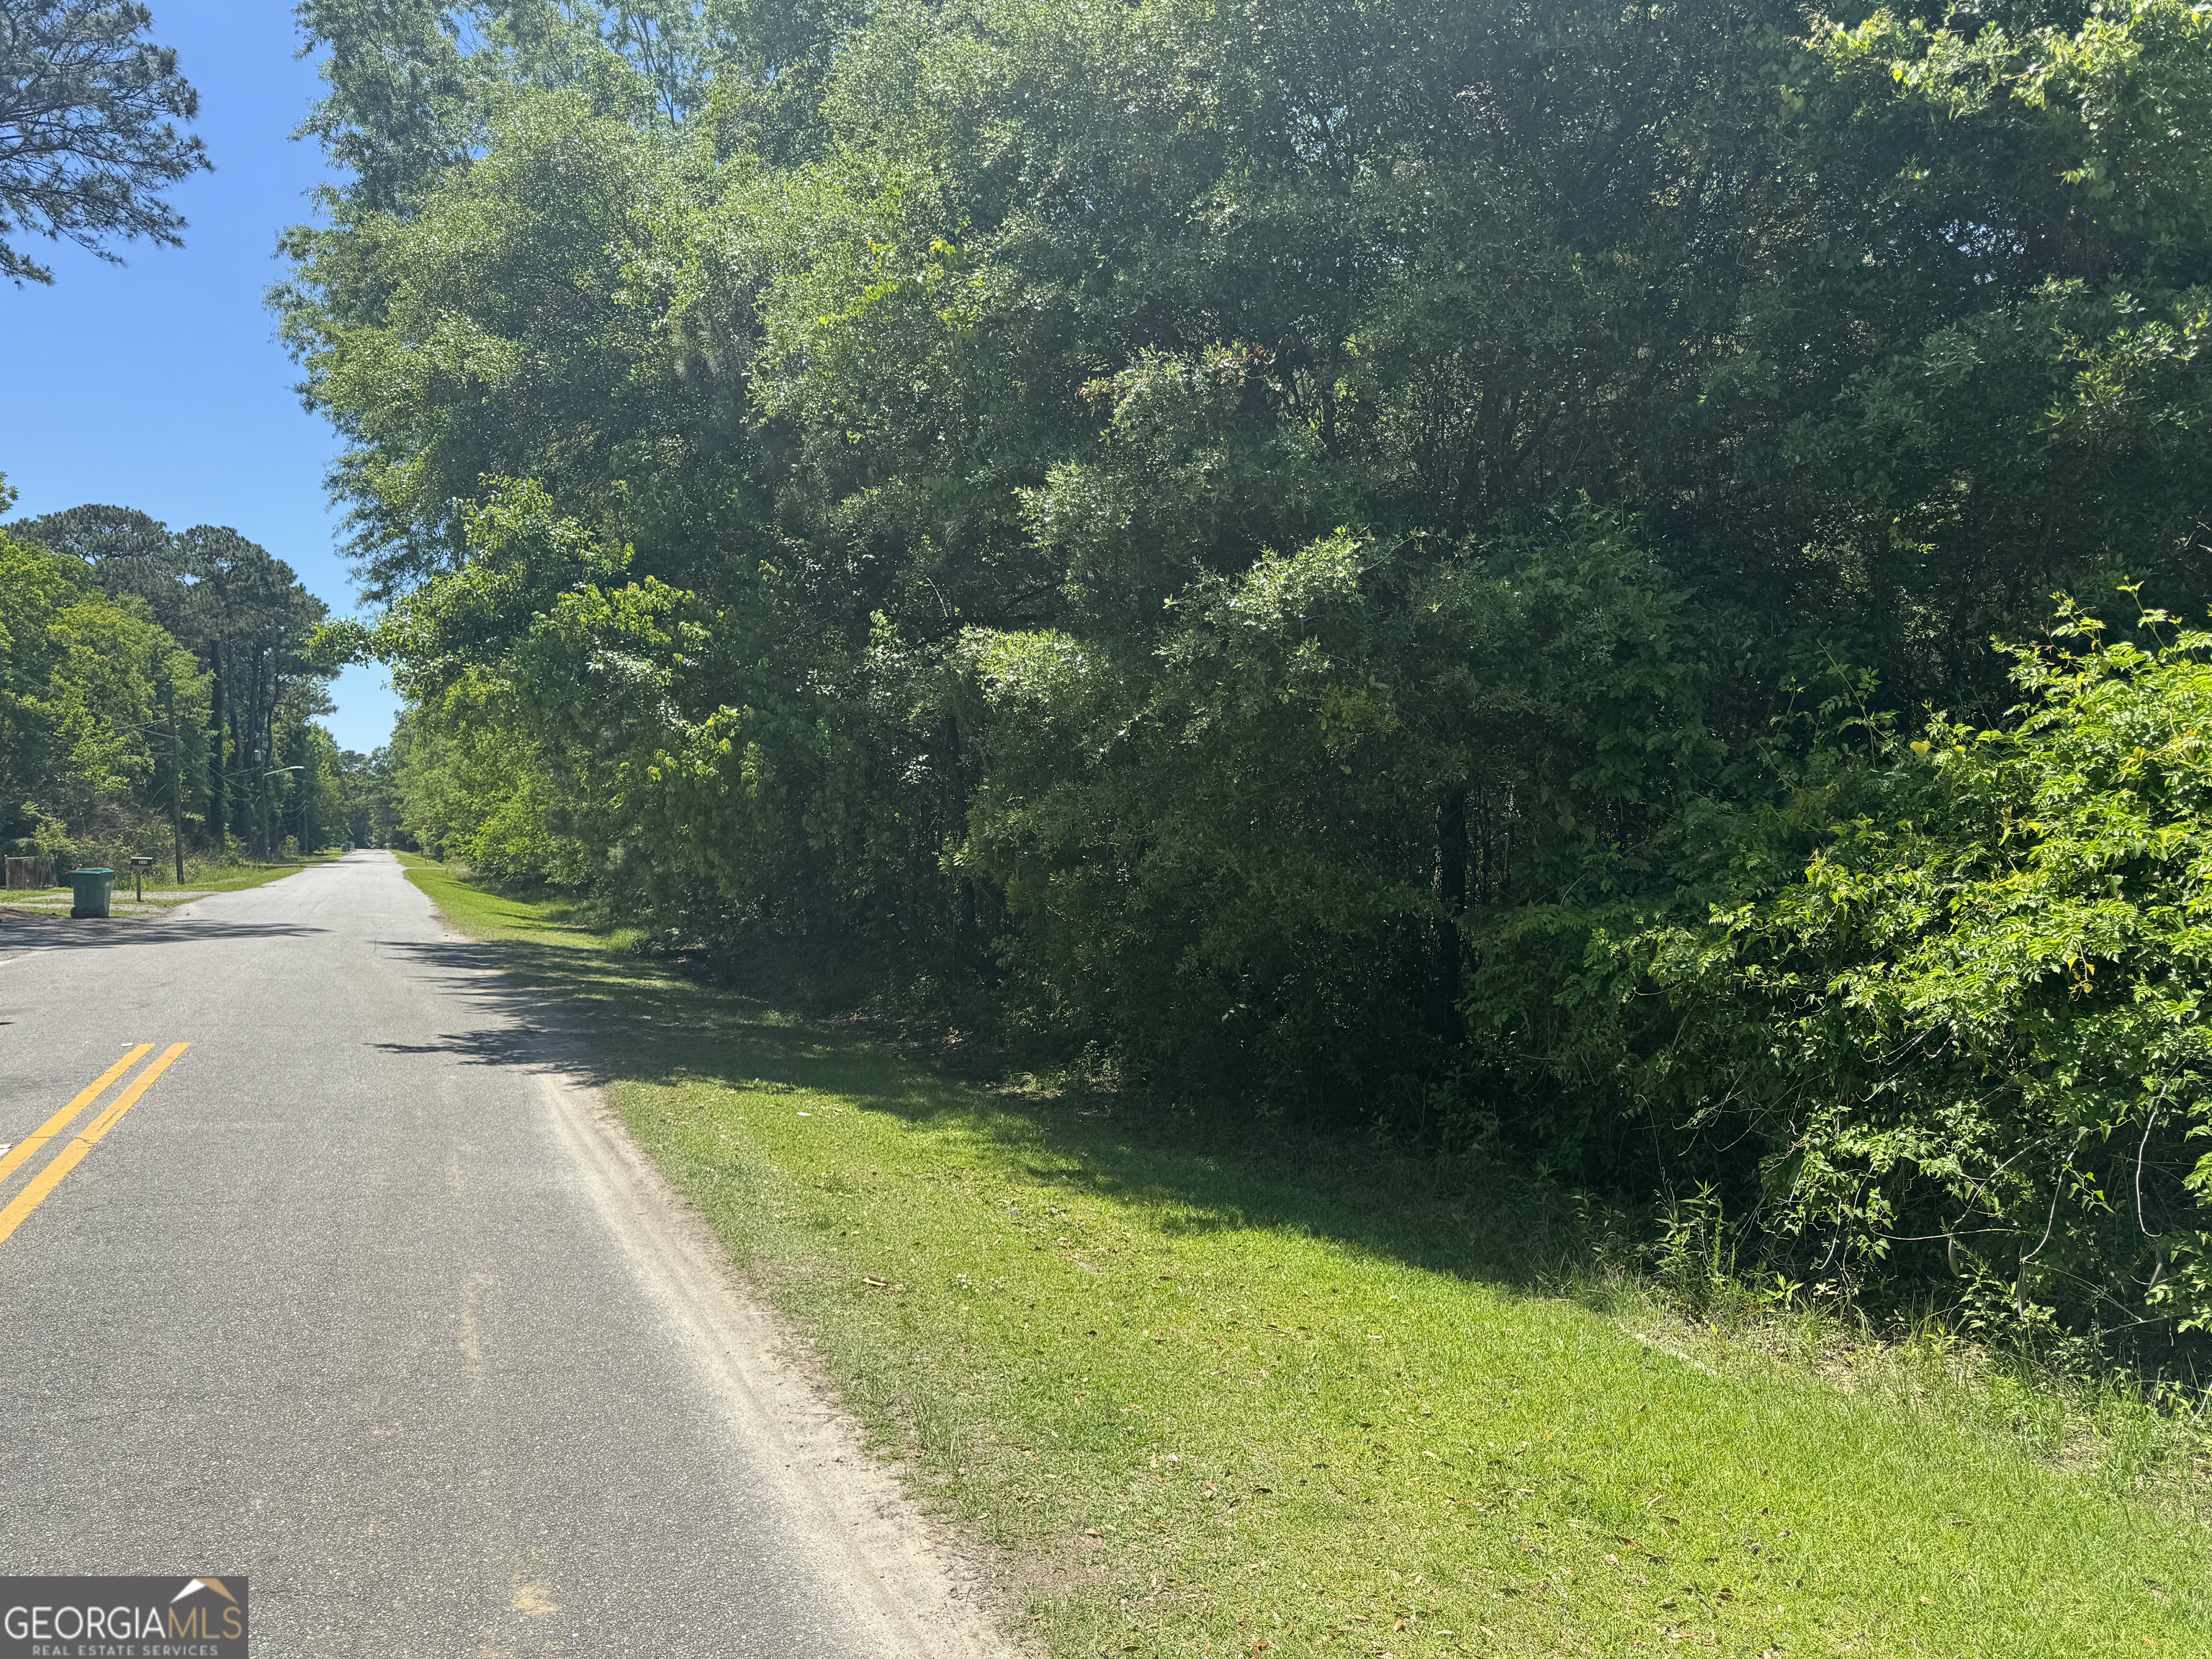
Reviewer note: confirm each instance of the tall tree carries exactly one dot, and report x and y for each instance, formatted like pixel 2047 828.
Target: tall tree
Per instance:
pixel 128 552
pixel 241 610
pixel 257 619
pixel 88 110
pixel 1252 535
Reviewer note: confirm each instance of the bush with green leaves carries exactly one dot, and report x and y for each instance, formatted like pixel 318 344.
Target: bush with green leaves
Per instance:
pixel 1279 544
pixel 1965 1039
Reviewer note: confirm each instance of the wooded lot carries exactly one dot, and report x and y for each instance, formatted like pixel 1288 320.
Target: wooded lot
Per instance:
pixel 156 694
pixel 1612 585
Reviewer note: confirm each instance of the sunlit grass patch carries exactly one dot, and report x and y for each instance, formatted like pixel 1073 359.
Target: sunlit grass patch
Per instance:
pixel 160 888
pixel 224 877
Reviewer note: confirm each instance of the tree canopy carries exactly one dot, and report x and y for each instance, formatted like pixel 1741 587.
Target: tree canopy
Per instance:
pixel 159 681
pixel 1356 560
pixel 88 110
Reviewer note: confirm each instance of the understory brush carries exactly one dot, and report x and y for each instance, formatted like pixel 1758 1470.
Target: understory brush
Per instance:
pixel 1683 1275
pixel 1203 1389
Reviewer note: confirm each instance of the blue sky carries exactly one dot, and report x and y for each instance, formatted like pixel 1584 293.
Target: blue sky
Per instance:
pixel 159 383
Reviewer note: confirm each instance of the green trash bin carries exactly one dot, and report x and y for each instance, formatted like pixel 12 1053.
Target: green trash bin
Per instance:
pixel 94 889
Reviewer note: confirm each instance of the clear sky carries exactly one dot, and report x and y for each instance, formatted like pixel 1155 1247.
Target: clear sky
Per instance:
pixel 159 383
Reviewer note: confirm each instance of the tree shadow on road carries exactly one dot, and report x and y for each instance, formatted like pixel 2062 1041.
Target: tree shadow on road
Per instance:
pixel 22 931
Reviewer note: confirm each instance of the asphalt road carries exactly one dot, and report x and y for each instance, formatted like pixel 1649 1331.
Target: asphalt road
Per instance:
pixel 364 1298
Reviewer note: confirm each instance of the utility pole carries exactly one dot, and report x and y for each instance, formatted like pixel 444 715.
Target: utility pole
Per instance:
pixel 177 773
pixel 220 752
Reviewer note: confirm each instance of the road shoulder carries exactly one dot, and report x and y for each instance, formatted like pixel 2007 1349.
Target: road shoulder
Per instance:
pixel 927 1585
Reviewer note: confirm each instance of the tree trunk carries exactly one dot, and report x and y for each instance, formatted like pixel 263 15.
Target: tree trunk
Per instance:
pixel 176 777
pixel 218 814
pixel 1451 896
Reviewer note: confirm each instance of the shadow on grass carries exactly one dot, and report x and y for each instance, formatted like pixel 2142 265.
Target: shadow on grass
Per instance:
pixel 616 1018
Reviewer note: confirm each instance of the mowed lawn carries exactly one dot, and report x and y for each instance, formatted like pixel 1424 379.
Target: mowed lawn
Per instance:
pixel 1303 1400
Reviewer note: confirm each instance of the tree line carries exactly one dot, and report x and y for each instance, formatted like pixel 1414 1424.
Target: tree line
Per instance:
pixel 1488 570
pixel 158 697
pixel 156 693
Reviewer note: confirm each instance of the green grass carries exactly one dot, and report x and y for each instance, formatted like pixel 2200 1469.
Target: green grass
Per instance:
pixel 162 887
pixel 234 877
pixel 161 883
pixel 1215 1391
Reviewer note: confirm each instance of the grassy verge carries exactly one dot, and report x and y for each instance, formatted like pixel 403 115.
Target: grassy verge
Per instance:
pixel 232 877
pixel 163 890
pixel 1215 1392
pixel 224 878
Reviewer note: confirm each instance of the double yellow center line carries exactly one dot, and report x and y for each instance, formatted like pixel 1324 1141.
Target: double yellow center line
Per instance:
pixel 86 1139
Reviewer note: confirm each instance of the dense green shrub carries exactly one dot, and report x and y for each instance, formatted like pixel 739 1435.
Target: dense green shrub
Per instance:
pixel 1280 546
pixel 1989 987
pixel 1964 1038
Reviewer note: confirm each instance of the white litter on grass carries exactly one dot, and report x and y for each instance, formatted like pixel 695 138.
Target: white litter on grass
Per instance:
pixel 1675 1353
pixel 806 1114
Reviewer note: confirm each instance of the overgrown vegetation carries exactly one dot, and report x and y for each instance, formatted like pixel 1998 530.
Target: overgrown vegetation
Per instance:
pixel 1209 1391
pixel 1409 564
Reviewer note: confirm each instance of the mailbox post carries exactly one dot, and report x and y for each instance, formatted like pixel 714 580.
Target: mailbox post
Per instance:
pixel 138 869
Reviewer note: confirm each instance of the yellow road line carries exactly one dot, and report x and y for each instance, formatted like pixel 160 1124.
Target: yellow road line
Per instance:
pixel 53 1126
pixel 73 1154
